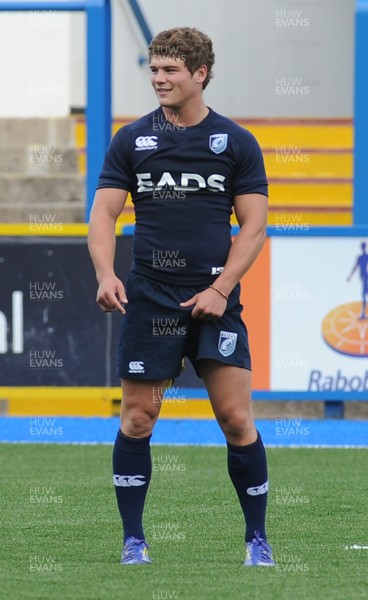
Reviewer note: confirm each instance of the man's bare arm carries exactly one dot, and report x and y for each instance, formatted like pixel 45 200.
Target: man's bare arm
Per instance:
pixel 107 206
pixel 251 213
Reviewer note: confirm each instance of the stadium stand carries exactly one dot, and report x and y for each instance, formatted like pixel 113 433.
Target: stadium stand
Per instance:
pixel 308 162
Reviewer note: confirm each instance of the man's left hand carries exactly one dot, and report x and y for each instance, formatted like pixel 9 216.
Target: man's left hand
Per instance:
pixel 208 305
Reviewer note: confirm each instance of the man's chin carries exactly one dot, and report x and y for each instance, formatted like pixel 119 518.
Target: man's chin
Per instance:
pixel 164 103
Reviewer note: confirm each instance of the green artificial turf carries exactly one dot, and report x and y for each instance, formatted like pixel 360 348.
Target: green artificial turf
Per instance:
pixel 61 535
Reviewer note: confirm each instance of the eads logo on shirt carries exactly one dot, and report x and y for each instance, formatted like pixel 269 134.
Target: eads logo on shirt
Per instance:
pixel 189 182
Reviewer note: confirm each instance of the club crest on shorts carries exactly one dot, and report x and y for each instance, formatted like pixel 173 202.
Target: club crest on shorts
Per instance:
pixel 227 342
pixel 218 142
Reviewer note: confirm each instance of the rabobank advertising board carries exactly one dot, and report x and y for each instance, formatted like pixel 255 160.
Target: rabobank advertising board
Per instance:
pixel 319 314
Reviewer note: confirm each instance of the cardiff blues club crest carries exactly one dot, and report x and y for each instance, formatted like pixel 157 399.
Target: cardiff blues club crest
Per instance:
pixel 218 142
pixel 227 342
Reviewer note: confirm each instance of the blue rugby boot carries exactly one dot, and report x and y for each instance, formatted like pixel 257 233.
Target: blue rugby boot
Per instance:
pixel 135 552
pixel 258 553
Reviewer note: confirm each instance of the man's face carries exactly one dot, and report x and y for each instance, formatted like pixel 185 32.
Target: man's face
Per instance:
pixel 173 83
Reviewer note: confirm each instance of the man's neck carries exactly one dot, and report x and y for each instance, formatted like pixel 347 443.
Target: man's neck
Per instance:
pixel 186 116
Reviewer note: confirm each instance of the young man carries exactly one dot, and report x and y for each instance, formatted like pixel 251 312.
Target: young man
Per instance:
pixel 186 167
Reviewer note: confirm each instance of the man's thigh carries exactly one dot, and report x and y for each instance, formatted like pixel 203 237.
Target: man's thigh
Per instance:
pixel 229 387
pixel 229 390
pixel 140 406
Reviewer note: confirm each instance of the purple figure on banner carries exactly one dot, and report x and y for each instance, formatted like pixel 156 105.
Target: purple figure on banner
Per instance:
pixel 362 264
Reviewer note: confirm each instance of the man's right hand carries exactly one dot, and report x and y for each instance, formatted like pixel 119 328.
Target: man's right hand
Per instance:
pixel 111 294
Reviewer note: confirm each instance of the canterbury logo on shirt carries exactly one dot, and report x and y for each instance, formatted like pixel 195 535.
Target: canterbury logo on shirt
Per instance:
pixel 258 489
pixel 146 142
pixel 188 182
pixel 129 480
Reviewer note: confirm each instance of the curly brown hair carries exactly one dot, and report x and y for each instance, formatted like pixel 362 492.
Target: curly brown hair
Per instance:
pixel 187 43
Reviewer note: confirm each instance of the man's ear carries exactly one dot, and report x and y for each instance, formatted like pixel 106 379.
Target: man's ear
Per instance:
pixel 201 74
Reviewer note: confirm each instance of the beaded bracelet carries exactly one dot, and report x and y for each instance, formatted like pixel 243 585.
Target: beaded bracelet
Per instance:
pixel 219 291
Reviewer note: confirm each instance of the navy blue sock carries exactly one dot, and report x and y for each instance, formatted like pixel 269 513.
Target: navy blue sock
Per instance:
pixel 132 468
pixel 247 467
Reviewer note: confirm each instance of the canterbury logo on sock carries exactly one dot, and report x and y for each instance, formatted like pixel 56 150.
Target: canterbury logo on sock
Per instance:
pixel 258 489
pixel 129 480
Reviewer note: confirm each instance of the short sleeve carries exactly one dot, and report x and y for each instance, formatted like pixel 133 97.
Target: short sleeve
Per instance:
pixel 250 175
pixel 116 171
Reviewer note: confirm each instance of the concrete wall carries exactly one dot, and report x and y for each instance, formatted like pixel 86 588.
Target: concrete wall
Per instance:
pixel 34 64
pixel 274 58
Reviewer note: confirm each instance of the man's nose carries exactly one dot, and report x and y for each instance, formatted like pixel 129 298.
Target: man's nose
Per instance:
pixel 160 76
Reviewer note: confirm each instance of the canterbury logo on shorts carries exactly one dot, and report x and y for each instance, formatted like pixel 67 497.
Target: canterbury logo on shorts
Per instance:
pixel 136 366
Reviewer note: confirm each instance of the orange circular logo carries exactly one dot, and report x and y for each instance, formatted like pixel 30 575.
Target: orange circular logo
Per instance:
pixel 345 332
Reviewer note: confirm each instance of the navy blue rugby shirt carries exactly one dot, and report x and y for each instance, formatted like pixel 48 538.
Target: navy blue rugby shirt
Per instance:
pixel 183 181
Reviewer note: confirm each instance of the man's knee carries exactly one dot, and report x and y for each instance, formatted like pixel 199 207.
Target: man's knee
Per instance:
pixel 237 424
pixel 140 407
pixel 138 422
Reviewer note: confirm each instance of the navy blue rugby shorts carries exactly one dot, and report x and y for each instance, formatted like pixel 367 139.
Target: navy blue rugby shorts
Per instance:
pixel 156 333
